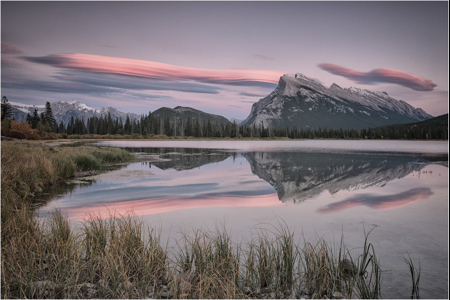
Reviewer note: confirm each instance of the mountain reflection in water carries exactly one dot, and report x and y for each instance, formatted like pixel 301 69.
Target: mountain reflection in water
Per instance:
pixel 297 176
pixel 202 178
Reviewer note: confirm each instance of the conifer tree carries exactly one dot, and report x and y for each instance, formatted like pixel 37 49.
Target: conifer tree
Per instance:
pixel 6 108
pixel 35 119
pixel 28 120
pixel 49 118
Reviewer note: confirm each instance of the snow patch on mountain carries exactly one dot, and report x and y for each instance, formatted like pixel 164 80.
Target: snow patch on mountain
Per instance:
pixel 26 108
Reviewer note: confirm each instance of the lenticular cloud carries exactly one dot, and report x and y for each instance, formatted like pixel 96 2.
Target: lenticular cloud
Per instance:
pixel 402 78
pixel 154 70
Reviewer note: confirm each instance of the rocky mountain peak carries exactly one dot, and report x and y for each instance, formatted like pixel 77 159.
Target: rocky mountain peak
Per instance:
pixel 335 86
pixel 303 102
pixel 290 86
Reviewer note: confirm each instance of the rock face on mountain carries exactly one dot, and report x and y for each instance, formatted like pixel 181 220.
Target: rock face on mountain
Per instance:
pixel 304 103
pixel 63 111
pixel 297 177
pixel 183 113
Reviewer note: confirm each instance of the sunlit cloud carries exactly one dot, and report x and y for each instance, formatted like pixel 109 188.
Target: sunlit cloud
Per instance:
pixel 156 70
pixel 144 207
pixel 10 50
pixel 402 78
pixel 380 202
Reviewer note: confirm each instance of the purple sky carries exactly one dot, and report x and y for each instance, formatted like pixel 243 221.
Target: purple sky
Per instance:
pixel 220 57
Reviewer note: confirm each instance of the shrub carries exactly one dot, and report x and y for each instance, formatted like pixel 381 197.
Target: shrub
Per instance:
pixel 16 135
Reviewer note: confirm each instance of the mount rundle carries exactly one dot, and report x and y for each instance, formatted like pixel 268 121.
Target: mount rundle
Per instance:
pixel 298 101
pixel 304 103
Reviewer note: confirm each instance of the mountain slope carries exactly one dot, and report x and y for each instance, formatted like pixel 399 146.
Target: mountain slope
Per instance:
pixel 435 128
pixel 183 113
pixel 305 103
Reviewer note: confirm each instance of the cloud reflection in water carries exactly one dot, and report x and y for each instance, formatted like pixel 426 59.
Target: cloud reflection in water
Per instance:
pixel 380 202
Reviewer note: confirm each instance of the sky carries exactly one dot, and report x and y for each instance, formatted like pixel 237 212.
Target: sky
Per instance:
pixel 220 57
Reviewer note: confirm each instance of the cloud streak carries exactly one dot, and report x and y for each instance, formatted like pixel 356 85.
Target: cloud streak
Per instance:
pixel 402 78
pixel 10 50
pixel 154 70
pixel 135 83
pixel 380 202
pixel 263 57
pixel 251 95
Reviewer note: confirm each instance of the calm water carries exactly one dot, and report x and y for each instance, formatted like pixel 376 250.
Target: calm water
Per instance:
pixel 319 188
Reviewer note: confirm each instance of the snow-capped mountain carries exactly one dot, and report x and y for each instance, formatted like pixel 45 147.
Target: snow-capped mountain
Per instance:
pixel 305 103
pixel 63 111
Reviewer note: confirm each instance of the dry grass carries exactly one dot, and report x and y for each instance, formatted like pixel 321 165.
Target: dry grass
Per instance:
pixel 29 166
pixel 120 257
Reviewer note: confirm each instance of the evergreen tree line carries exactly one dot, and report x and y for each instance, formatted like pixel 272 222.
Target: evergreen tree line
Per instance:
pixel 155 125
pixel 152 124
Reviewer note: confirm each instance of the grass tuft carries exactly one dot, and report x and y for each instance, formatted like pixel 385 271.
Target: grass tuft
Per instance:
pixel 415 277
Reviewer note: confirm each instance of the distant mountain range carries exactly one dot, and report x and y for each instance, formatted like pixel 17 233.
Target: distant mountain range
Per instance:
pixel 63 111
pixel 304 103
pixel 298 101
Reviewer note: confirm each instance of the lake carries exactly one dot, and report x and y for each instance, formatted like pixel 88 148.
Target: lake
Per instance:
pixel 318 188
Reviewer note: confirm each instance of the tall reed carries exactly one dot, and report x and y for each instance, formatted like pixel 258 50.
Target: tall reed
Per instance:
pixel 415 277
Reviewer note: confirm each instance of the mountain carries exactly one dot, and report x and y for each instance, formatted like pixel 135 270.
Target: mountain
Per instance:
pixel 183 113
pixel 297 177
pixel 63 111
pixel 305 103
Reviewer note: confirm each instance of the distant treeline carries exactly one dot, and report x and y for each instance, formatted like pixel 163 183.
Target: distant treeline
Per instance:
pixel 155 125
pixel 152 125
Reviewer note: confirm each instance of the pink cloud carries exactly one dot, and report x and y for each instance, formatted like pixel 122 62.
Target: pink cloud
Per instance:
pixel 402 78
pixel 153 206
pixel 156 70
pixel 8 49
pixel 380 202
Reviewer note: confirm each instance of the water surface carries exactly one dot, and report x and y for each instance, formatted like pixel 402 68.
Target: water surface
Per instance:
pixel 319 188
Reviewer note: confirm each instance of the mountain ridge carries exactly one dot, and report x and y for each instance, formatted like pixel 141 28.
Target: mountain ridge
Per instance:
pixel 305 103
pixel 64 111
